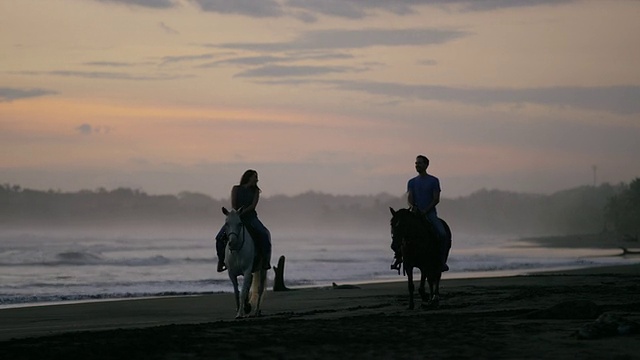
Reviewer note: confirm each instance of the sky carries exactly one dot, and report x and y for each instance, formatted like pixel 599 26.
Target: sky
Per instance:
pixel 332 96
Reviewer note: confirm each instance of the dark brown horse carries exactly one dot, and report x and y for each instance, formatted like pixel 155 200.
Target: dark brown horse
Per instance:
pixel 420 249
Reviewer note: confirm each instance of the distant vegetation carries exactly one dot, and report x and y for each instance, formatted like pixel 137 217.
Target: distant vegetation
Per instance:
pixel 623 210
pixel 585 209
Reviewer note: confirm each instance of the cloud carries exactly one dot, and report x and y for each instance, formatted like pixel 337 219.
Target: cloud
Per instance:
pixel 304 16
pixel 296 70
pixel 428 62
pixel 84 129
pixel 168 29
pixel 359 9
pixel 159 4
pixel 10 94
pixel 308 10
pixel 175 59
pixel 353 39
pixel 108 63
pixel 616 99
pixel 267 59
pixel 490 5
pixel 248 60
pixel 104 75
pixel 318 45
pixel 352 9
pixel 88 129
pixel 252 8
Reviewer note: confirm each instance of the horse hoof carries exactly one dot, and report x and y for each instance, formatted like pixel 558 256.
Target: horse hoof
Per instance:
pixel 432 304
pixel 428 306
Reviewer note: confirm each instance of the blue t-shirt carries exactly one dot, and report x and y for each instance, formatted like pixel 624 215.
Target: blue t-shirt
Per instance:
pixel 422 188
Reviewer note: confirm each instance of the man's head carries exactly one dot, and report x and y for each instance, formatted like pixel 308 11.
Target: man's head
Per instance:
pixel 422 163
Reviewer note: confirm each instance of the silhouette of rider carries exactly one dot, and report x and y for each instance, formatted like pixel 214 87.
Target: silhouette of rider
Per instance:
pixel 423 194
pixel 245 196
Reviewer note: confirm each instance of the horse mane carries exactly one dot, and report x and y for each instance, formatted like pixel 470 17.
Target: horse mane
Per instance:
pixel 418 226
pixel 418 239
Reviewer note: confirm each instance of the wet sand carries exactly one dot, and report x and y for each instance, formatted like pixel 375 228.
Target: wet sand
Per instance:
pixel 519 317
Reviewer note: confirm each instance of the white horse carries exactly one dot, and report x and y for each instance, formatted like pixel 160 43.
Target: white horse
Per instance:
pixel 239 257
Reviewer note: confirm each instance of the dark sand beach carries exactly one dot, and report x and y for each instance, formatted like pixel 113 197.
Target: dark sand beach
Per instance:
pixel 578 314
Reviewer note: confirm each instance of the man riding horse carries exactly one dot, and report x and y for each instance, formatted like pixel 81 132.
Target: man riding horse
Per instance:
pixel 423 194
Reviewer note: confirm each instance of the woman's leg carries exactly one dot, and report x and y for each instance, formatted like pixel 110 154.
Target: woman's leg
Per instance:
pixel 265 239
pixel 220 245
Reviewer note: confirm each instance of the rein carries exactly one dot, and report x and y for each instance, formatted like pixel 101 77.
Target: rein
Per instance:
pixel 244 230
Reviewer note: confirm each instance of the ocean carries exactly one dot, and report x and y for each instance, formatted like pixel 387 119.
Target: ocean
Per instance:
pixel 41 267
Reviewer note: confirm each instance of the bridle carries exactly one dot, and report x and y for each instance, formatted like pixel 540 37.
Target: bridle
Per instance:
pixel 244 237
pixel 400 233
pixel 398 230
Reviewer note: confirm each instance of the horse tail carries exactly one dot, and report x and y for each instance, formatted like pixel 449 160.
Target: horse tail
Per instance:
pixel 447 229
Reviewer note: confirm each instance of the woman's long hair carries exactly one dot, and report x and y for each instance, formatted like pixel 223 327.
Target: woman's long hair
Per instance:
pixel 246 176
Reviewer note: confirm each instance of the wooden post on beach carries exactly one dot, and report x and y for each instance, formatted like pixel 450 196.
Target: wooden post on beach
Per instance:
pixel 278 283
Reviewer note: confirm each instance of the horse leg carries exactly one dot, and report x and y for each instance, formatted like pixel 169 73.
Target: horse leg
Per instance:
pixel 421 289
pixel 244 294
pixel 261 277
pixel 236 292
pixel 436 292
pixel 434 289
pixel 411 286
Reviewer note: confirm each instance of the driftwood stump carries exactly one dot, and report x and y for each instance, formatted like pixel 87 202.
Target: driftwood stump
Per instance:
pixel 278 283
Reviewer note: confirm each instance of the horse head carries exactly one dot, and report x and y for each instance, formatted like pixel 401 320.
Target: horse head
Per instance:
pixel 409 226
pixel 403 223
pixel 234 227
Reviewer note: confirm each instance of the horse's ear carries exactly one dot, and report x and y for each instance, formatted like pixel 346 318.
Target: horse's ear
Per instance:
pixel 225 211
pixel 240 209
pixel 393 212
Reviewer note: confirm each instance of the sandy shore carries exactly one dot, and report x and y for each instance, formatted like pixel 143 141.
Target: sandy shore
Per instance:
pixel 523 317
pixel 584 314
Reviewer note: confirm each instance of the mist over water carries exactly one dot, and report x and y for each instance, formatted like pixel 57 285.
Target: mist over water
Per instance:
pixel 85 264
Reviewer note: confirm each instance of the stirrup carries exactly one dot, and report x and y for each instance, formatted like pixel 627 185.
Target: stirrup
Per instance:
pixel 396 264
pixel 221 266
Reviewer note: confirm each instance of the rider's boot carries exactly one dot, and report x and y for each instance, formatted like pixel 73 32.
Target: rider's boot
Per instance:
pixel 221 266
pixel 397 261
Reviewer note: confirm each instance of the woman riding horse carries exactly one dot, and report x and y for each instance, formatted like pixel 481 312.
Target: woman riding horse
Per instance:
pixel 245 197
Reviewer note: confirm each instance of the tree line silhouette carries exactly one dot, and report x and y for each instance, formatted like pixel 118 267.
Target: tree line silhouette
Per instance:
pixel 584 209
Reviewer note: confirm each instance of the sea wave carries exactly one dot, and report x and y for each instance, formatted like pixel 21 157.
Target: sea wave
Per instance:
pixel 11 300
pixel 45 292
pixel 84 258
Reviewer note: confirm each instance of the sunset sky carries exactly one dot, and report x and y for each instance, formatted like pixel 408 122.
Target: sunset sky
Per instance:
pixel 334 96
